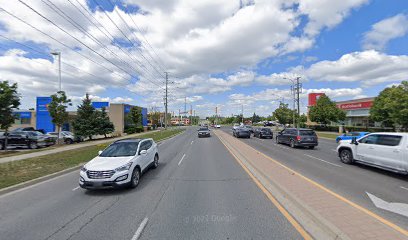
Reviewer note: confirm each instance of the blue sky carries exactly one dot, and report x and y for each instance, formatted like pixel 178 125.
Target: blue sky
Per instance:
pixel 221 55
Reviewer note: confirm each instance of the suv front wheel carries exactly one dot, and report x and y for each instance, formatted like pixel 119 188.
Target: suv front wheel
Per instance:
pixel 346 156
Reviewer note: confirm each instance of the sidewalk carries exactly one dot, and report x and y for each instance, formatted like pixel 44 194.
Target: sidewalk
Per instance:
pixel 322 213
pixel 67 148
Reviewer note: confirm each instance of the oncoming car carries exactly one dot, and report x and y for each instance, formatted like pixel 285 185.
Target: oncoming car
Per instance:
pixel 121 164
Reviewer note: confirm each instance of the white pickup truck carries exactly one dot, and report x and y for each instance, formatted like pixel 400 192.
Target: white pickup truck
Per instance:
pixel 388 151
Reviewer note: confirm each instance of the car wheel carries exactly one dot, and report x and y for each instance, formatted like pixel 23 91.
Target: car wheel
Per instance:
pixel 346 156
pixel 292 144
pixel 33 145
pixel 2 146
pixel 156 161
pixel 311 147
pixel 260 136
pixel 135 178
pixel 69 141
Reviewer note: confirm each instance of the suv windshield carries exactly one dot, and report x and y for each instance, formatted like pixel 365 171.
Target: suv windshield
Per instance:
pixel 120 149
pixel 203 129
pixel 307 133
pixel 266 130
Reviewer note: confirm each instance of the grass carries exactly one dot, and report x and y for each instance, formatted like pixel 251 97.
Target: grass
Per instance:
pixel 327 135
pixel 15 172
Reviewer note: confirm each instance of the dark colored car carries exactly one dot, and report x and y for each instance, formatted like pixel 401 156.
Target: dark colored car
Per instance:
pixel 204 132
pixel 251 130
pixel 263 133
pixel 28 129
pixel 301 137
pixel 241 133
pixel 30 139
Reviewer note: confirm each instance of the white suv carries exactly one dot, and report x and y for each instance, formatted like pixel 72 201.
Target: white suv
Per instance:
pixel 388 151
pixel 120 164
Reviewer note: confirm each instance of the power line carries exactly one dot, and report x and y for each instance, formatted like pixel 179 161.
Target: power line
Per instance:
pixel 130 30
pixel 80 28
pixel 120 30
pixel 63 30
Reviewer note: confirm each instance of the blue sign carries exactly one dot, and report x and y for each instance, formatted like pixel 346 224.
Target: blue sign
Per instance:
pixel 44 120
pixel 144 116
pixel 24 114
pixel 127 108
pixel 99 105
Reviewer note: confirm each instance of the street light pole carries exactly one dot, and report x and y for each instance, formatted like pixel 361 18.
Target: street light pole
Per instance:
pixel 59 67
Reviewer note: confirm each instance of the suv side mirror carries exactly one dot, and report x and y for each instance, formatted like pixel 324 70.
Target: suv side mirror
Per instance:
pixel 354 141
pixel 100 152
pixel 143 152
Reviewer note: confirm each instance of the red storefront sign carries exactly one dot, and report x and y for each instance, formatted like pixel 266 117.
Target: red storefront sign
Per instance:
pixel 356 105
pixel 313 97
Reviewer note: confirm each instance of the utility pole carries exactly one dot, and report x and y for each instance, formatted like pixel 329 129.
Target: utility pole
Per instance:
pixel 242 113
pixel 59 67
pixel 165 101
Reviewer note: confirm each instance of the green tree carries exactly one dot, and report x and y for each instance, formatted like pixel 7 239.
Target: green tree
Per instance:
pixel 301 119
pixel 9 101
pixel 103 124
pixel 58 110
pixel 255 118
pixel 391 106
pixel 283 114
pixel 85 123
pixel 326 111
pixel 135 116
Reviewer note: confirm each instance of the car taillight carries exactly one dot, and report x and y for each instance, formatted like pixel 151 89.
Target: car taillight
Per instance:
pixel 298 138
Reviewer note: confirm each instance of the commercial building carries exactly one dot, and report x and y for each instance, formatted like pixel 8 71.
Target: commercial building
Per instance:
pixel 357 110
pixel 41 119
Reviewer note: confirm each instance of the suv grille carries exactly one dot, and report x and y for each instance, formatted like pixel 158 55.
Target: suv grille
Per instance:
pixel 100 174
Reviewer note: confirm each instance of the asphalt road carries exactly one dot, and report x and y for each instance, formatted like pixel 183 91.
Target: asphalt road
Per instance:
pixel 351 181
pixel 198 191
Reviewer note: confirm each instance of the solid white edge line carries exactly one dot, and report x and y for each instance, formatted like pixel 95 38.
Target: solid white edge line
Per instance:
pixel 139 231
pixel 181 159
pixel 75 188
pixel 322 160
pixel 404 188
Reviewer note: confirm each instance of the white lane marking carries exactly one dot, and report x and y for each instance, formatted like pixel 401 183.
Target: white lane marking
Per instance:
pixel 181 159
pixel 75 188
pixel 192 142
pixel 322 160
pixel 37 184
pixel 404 188
pixel 398 208
pixel 140 229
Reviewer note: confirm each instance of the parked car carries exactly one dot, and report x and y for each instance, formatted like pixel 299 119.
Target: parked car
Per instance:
pixel 64 136
pixel 250 129
pixel 76 137
pixel 121 164
pixel 387 151
pixel 301 137
pixel 30 139
pixel 217 126
pixel 28 129
pixel 241 132
pixel 349 136
pixel 263 133
pixel 204 132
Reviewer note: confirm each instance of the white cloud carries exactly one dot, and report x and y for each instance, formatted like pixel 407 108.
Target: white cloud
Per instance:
pixel 369 67
pixel 384 31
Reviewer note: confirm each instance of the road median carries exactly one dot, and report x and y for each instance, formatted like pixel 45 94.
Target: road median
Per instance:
pixel 19 174
pixel 322 213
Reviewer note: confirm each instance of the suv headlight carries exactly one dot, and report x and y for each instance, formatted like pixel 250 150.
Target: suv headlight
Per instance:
pixel 83 169
pixel 124 167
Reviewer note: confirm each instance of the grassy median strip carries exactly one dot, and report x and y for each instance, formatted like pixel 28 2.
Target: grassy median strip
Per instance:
pixel 15 172
pixel 327 135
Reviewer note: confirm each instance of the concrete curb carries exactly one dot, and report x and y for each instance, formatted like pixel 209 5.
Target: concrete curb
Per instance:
pixel 34 181
pixel 312 221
